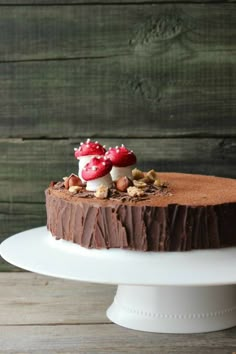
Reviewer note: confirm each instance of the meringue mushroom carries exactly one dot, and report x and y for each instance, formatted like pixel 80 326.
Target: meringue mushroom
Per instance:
pixel 97 172
pixel 85 152
pixel 123 161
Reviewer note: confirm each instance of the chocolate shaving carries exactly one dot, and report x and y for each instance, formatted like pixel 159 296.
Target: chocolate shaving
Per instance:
pixel 59 185
pixel 85 195
pixel 117 195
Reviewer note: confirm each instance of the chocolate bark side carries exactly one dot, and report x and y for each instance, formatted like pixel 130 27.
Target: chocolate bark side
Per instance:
pixel 143 228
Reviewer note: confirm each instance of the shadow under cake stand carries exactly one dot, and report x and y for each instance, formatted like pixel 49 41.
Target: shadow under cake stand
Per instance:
pixel 170 292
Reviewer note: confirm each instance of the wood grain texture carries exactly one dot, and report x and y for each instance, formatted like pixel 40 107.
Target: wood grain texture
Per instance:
pixel 106 2
pixel 33 299
pixel 100 98
pixel 46 315
pixel 194 31
pixel 137 71
pixel 109 338
pixel 17 217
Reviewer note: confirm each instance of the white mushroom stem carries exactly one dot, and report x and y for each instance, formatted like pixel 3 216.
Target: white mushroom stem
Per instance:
pixel 118 172
pixel 93 185
pixel 83 160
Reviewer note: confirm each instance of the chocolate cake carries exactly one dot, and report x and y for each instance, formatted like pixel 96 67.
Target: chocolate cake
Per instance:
pixel 185 212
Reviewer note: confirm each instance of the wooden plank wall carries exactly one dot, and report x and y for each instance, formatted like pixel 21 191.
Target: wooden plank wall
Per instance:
pixel 159 76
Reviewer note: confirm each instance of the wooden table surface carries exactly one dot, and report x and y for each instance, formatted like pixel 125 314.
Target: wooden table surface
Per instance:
pixel 40 314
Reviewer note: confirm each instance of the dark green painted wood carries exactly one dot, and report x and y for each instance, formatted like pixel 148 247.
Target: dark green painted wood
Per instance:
pixel 17 217
pixel 7 267
pixel 156 70
pixel 102 2
pixel 118 97
pixel 196 31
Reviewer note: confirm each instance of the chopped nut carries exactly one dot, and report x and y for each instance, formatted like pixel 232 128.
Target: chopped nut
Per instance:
pixel 159 183
pixel 135 192
pixel 151 175
pixel 123 183
pixel 74 189
pixel 101 192
pixel 137 174
pixel 139 184
pixel 146 180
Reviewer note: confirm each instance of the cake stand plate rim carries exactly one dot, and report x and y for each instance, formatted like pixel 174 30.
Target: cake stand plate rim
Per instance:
pixel 37 251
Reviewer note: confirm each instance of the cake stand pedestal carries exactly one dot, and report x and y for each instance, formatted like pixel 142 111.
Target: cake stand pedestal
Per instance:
pixel 167 309
pixel 174 292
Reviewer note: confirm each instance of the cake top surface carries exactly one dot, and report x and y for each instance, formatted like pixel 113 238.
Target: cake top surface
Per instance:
pixel 182 189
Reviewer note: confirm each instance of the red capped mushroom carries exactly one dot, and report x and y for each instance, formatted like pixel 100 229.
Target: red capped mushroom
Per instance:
pixel 97 172
pixel 86 151
pixel 123 160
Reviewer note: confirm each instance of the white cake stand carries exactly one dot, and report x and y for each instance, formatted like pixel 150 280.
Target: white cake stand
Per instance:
pixel 188 292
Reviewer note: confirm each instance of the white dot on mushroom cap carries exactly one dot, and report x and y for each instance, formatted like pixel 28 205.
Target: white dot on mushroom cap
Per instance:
pixel 117 150
pixel 96 142
pixel 104 146
pixel 75 149
pixel 106 153
pixel 122 145
pixel 97 147
pixel 104 163
pixel 94 168
pixel 88 140
pixel 81 143
pixel 117 147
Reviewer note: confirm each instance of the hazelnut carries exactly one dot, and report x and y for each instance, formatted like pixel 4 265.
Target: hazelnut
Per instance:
pixel 137 174
pixel 72 180
pixel 101 192
pixel 135 192
pixel 123 183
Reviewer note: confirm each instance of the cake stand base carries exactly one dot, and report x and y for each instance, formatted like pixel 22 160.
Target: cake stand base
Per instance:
pixel 167 309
